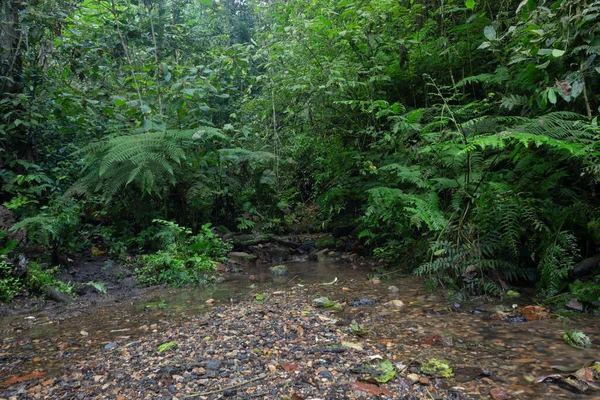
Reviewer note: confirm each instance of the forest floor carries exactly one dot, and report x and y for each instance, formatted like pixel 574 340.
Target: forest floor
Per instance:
pixel 247 340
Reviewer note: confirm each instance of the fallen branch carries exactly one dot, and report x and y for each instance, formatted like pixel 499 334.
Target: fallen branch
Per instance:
pixel 258 378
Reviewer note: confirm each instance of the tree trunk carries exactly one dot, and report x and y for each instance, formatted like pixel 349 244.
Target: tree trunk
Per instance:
pixel 11 39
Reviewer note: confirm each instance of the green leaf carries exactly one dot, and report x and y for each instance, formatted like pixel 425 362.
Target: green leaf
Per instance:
pixel 489 32
pixel 557 53
pixel 552 96
pixel 470 4
pixel 206 2
pixel 167 346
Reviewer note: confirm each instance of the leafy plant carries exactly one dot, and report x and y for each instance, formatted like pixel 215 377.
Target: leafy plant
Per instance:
pixel 576 339
pixel 38 278
pixel 54 227
pixel 359 330
pixel 9 285
pixel 184 259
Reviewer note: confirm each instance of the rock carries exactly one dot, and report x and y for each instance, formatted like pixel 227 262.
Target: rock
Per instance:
pixel 325 242
pixel 395 304
pixel 326 375
pixel 574 304
pixel 424 380
pixel 213 365
pixel 375 281
pixel 279 270
pixel 413 378
pixel 535 313
pixel 241 258
pixel 111 345
pixel 498 393
pixel 362 301
pixel 393 289
pixel 342 230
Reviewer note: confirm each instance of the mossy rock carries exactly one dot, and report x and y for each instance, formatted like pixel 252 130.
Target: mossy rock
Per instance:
pixel 279 270
pixel 326 242
pixel 437 367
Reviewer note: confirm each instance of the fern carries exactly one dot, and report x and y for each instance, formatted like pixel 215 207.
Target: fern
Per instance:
pixel 558 258
pixel 148 161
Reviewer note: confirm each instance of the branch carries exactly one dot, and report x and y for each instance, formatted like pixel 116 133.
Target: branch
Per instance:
pixel 258 378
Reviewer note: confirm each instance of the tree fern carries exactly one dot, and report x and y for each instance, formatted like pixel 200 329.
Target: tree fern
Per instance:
pixel 147 161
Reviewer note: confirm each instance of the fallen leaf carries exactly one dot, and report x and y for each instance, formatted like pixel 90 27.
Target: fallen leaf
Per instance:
pixel 17 379
pixel 432 340
pixel 370 388
pixel 289 367
pixel 585 374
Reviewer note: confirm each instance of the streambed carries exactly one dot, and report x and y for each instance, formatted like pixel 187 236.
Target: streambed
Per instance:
pixel 485 353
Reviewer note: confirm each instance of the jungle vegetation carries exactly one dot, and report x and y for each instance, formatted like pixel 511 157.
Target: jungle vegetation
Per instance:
pixel 459 137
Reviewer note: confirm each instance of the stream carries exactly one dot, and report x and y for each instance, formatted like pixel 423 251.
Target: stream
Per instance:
pixel 482 350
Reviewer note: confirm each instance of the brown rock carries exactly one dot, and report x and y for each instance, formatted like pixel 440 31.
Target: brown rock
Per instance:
pixel 498 393
pixel 535 313
pixel 424 380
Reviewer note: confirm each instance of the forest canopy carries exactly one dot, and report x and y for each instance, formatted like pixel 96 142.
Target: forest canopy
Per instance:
pixel 458 138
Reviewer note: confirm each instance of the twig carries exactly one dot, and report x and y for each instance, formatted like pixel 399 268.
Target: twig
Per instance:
pixel 429 393
pixel 410 362
pixel 258 378
pixel 290 281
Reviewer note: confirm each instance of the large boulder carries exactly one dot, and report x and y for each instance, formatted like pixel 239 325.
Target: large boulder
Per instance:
pixel 279 270
pixel 241 258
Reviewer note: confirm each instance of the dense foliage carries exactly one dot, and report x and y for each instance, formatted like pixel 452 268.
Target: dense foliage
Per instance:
pixel 459 137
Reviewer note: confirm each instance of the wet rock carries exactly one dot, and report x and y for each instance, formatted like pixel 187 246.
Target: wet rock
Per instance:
pixel 213 365
pixel 393 289
pixel 413 378
pixel 395 304
pixel 535 313
pixel 455 307
pixel 362 301
pixel 574 304
pixel 241 258
pixel 279 270
pixel 111 345
pixel 326 242
pixel 324 374
pixel 498 393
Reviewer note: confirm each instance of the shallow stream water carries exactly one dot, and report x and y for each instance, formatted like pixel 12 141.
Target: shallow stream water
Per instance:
pixel 511 355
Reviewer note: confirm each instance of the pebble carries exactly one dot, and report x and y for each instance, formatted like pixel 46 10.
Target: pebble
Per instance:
pixel 110 345
pixel 393 289
pixel 325 375
pixel 395 303
pixel 213 365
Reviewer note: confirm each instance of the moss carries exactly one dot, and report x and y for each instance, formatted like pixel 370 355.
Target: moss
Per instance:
pixel 326 242
pixel 437 367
